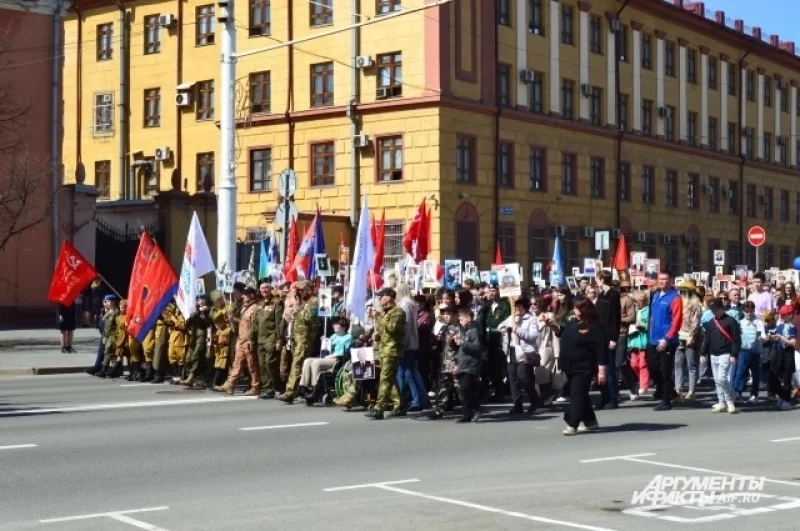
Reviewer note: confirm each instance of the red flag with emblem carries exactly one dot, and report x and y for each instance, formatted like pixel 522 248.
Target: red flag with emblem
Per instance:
pixel 621 257
pixel 70 277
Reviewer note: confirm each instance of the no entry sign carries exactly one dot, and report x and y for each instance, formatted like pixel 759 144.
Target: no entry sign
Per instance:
pixel 756 236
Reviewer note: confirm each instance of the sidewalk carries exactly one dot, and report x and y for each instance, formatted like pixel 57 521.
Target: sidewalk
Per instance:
pixel 38 352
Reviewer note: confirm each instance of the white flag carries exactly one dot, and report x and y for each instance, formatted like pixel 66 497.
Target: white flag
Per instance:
pixel 363 263
pixel 196 263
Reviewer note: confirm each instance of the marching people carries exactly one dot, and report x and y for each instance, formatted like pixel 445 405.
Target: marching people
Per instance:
pixel 245 354
pixel 198 323
pixel 521 344
pixel 782 343
pixel 753 335
pixel 689 338
pixel 268 334
pixel 222 334
pixel 389 336
pixel 109 334
pixel 178 340
pixel 666 317
pixel 637 345
pixel 721 346
pixel 608 306
pixel 303 331
pixel 496 310
pixel 470 359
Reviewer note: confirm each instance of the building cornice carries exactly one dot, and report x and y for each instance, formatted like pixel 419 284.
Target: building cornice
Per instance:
pixel 38 7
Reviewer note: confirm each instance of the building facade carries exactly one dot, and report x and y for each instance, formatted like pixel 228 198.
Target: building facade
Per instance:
pixel 519 120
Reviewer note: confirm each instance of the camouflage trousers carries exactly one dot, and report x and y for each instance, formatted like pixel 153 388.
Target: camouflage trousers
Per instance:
pixel 447 390
pixel 299 354
pixel 245 356
pixel 196 364
pixel 388 393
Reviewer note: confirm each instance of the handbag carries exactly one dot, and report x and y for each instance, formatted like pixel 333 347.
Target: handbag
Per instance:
pixel 558 378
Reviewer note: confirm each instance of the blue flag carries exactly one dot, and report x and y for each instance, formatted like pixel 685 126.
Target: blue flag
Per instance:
pixel 557 265
pixel 319 245
pixel 263 262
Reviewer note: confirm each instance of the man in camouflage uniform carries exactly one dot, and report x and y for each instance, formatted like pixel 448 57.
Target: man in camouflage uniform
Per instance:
pixel 245 353
pixel 109 334
pixel 304 330
pixel 267 336
pixel 390 335
pixel 199 323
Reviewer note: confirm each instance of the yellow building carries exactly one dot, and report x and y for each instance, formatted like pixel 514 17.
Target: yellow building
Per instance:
pixel 515 117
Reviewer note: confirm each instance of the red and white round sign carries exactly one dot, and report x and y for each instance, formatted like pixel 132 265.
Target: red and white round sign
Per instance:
pixel 756 236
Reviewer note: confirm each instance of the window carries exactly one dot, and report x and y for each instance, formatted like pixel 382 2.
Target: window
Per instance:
pixel 669 59
pixel 205 170
pixel 205 104
pixel 783 155
pixel 567 96
pixel 669 124
pixel 750 201
pixel 503 12
pixel 766 200
pixel 569 178
pixel 732 138
pixel 504 84
pixel 621 42
pixel 103 113
pixel 784 205
pixel 539 245
pixel 648 185
pixel 150 180
pixel 390 159
pixel 767 147
pixel 712 134
pixel 691 66
pixel 390 73
pixel 785 257
pixel 260 18
pixel 323 165
pixel 465 159
pixel 322 84
pixel 597 179
pixel 671 186
pixel 693 256
pixel 650 245
pixel 733 255
pixel 152 107
pixel 797 208
pixel 733 197
pixel 570 246
pixel 769 256
pixel 384 7
pixel 692 187
pixel 261 170
pixel 596 106
pixel 767 91
pixel 467 233
pixel 712 73
pixel 691 134
pixel 647 117
pixel 622 111
pixel 260 92
pixel 595 34
pixel 321 12
pixel 624 181
pixel 731 80
pixel 673 254
pixel 713 194
pixel 205 25
pixel 538 170
pixel 105 42
pixel 750 86
pixel 507 238
pixel 152 34
pixel 782 96
pixel 713 244
pixel 102 178
pixel 647 51
pixel 537 18
pixel 537 92
pixel 567 24
pixel 505 177
pixel 749 150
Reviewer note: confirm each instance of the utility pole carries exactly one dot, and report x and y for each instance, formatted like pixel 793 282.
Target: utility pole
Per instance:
pixel 226 203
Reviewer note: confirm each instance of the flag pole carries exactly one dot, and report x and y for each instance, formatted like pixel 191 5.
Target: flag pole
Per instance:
pixel 101 277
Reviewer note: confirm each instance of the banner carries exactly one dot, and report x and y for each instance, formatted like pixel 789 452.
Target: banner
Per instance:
pixel 153 285
pixel 70 277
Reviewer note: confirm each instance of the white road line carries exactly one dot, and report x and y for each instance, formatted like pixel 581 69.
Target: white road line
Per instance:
pixel 123 405
pixel 370 485
pixel 615 458
pixel 707 471
pixel 788 439
pixel 135 523
pixel 101 515
pixel 488 509
pixel 17 446
pixel 281 426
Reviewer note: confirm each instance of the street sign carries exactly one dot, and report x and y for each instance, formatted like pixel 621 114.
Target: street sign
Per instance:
pixel 506 211
pixel 756 236
pixel 601 240
pixel 287 183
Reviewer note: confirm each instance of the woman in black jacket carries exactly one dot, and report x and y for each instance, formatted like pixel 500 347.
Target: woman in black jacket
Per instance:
pixel 583 354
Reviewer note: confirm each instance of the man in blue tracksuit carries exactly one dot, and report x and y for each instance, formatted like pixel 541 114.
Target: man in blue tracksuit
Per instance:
pixel 666 317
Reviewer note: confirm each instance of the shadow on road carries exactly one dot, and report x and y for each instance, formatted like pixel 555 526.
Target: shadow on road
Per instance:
pixel 640 426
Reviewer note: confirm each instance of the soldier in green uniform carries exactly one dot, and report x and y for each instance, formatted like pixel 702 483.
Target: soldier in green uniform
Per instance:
pixel 304 330
pixel 109 333
pixel 390 335
pixel 268 333
pixel 497 310
pixel 198 323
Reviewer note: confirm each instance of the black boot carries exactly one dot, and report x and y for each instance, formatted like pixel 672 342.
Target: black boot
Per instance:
pixel 148 372
pixel 115 371
pixel 133 372
pixel 158 377
pixel 104 370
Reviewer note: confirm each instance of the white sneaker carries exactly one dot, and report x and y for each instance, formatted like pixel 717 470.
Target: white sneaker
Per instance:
pixel 569 430
pixel 783 405
pixel 561 399
pixel 719 408
pixel 732 409
pixel 634 397
pixel 642 391
pixel 589 427
pixel 753 400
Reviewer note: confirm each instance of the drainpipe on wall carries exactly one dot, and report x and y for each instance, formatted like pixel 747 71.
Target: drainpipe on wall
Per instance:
pixel 78 92
pixel 620 130
pixel 123 103
pixel 179 80
pixel 55 125
pixel 497 112
pixel 742 156
pixel 355 170
pixel 288 113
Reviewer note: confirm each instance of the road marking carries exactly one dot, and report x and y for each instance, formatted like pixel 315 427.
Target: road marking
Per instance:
pixel 653 511
pixel 788 439
pixel 119 516
pixel 370 485
pixel 123 405
pixel 615 458
pixel 281 426
pixel 387 486
pixel 17 446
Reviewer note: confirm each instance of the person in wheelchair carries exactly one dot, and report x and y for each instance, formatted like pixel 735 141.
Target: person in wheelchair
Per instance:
pixel 312 367
pixel 352 390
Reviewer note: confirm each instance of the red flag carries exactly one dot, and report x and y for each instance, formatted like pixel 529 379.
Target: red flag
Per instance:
pixel 423 236
pixel 291 251
pixel 620 260
pixel 414 232
pixel 498 256
pixel 378 239
pixel 153 285
pixel 71 275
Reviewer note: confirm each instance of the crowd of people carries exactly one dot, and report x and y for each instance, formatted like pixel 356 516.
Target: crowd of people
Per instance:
pixel 448 350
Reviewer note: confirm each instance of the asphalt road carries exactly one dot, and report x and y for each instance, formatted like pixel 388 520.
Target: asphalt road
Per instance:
pixel 77 453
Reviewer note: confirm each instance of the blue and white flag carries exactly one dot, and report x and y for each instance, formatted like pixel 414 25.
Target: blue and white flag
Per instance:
pixel 196 263
pixel 557 265
pixel 363 263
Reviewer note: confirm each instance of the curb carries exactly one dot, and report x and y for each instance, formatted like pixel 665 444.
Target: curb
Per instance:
pixel 42 371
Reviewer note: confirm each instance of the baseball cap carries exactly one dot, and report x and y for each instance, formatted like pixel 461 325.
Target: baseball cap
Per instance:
pixel 786 310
